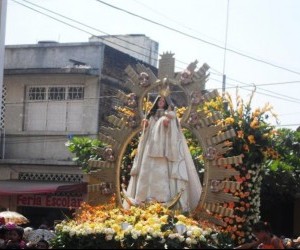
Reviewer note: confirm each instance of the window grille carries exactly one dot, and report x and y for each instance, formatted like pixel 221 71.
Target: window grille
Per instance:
pixel 75 93
pixel 56 93
pixel 37 93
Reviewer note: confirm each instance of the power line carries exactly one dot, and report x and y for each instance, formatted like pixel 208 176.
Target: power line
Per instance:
pixel 266 90
pixel 277 83
pixel 277 96
pixel 262 84
pixel 251 85
pixel 97 30
pixel 200 39
pixel 129 49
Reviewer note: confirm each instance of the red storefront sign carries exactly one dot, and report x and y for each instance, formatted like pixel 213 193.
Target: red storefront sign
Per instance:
pixel 49 201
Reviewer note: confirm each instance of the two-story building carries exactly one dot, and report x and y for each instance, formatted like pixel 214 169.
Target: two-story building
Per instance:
pixel 54 91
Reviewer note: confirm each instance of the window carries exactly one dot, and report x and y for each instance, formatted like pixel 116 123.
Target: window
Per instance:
pixel 37 93
pixel 55 93
pixel 75 93
pixel 54 108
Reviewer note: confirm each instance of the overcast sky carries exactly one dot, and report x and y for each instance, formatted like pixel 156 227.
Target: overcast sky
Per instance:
pixel 263 38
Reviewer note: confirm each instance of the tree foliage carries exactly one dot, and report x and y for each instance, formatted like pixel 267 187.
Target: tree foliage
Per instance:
pixel 84 149
pixel 281 180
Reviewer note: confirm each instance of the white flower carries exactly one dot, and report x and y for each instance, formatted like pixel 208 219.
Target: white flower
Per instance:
pixel 188 240
pixel 181 238
pixel 172 236
pixel 202 238
pixel 154 234
pixel 72 233
pixel 134 236
pixel 108 237
pixel 189 233
pixel 194 242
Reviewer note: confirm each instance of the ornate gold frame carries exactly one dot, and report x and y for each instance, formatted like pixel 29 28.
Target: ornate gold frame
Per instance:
pixel 212 138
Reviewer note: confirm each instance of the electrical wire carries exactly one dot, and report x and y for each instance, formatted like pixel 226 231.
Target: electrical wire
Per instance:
pixel 258 86
pixel 233 86
pixel 199 39
pixel 108 34
pixel 117 37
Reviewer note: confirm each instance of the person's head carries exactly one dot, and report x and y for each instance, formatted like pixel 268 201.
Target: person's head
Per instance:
pixel 261 230
pixel 159 103
pixel 42 244
pixel 15 233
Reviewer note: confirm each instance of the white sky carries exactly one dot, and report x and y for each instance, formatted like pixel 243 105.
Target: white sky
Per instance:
pixel 267 30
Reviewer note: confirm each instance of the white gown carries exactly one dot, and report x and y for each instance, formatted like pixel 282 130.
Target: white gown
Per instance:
pixel 163 166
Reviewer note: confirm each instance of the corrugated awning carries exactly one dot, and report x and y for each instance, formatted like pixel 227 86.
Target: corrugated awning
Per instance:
pixel 14 187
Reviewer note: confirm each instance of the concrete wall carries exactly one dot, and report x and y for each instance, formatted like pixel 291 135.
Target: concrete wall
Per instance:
pixel 53 55
pixel 22 144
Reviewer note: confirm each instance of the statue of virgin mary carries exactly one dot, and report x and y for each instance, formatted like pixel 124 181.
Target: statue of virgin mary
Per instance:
pixel 163 165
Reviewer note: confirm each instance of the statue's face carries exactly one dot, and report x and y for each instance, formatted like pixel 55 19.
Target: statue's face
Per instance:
pixel 161 103
pixel 144 79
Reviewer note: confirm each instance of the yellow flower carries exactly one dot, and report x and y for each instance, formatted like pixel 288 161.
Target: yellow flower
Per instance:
pixel 133 153
pixel 164 218
pixel 255 123
pixel 181 218
pixel 229 121
pixel 251 139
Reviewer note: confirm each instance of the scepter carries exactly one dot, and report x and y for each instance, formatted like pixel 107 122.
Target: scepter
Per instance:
pixel 145 114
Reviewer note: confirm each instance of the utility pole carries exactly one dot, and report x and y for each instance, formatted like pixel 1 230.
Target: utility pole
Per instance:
pixel 223 86
pixel 3 7
pixel 225 104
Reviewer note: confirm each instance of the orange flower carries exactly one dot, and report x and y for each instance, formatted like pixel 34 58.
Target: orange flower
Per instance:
pixel 240 134
pixel 255 123
pixel 251 139
pixel 231 205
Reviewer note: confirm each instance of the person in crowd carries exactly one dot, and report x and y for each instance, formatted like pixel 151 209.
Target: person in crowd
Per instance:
pixel 163 166
pixel 296 243
pixel 42 244
pixel 265 239
pixel 15 237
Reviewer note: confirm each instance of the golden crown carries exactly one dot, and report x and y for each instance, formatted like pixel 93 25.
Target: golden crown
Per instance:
pixel 165 92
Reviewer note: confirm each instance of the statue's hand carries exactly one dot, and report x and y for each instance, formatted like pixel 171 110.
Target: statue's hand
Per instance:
pixel 145 123
pixel 166 122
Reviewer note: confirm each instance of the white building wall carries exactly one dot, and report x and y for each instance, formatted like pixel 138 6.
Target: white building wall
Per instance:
pixel 24 143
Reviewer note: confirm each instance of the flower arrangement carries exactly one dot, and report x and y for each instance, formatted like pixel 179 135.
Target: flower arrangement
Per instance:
pixel 254 140
pixel 152 226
